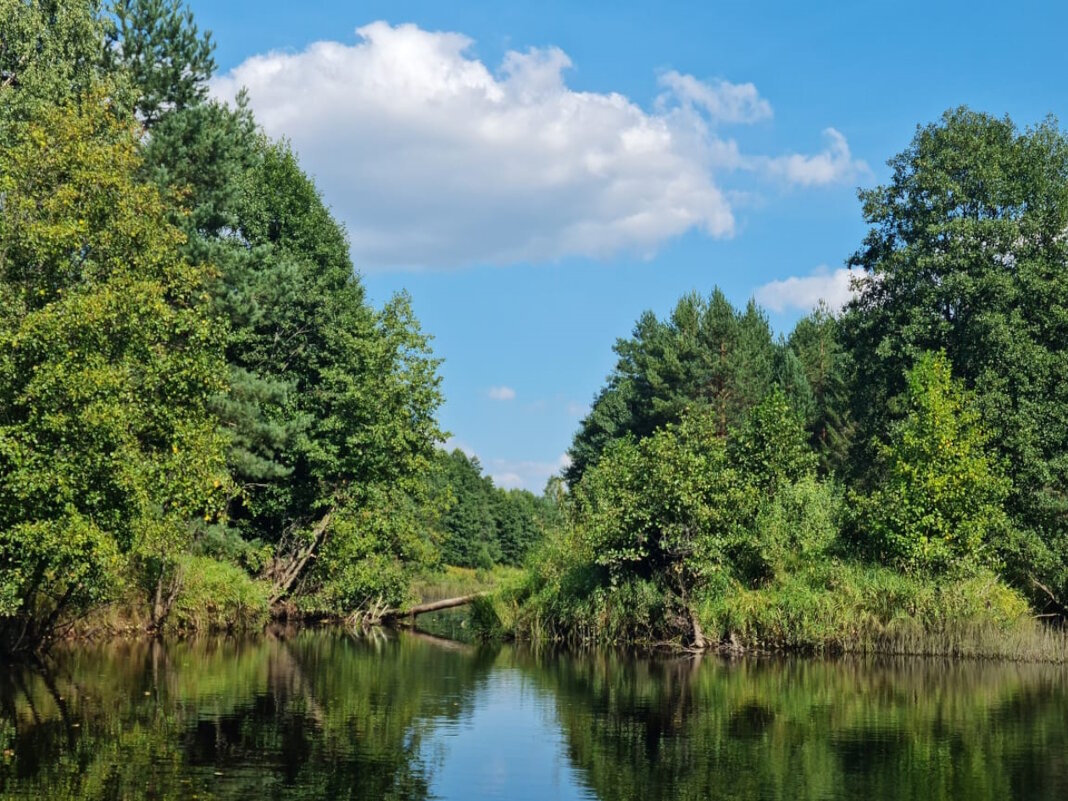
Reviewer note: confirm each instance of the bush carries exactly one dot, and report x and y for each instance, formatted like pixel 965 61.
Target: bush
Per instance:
pixel 800 522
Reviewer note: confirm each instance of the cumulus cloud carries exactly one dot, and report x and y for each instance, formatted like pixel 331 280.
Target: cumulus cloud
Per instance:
pixel 833 288
pixel 432 159
pixel 502 393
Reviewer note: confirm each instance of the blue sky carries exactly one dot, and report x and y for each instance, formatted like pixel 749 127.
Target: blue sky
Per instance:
pixel 537 175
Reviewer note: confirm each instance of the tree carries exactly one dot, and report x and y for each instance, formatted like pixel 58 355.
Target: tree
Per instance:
pixel 332 403
pixel 770 448
pixel 669 508
pixel 937 502
pixel 108 360
pixel 521 519
pixel 815 341
pixel 966 255
pixel 707 355
pixel 51 51
pixel 156 42
pixel 470 523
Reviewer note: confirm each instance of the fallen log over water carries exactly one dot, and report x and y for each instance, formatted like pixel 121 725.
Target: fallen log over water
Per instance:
pixel 432 606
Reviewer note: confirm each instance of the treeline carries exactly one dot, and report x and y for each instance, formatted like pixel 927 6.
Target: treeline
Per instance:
pixel 201 415
pixel 899 467
pixel 484 525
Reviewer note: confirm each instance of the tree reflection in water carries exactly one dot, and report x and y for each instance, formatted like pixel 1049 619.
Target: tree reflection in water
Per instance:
pixel 323 714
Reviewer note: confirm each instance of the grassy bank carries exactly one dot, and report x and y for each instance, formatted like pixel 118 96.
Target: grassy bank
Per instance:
pixel 833 607
pixel 210 596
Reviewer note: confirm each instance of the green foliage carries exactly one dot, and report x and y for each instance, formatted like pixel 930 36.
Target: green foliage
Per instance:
pixel 965 255
pixel 129 371
pixel 680 506
pixel 469 524
pixel 50 569
pixel 375 549
pixel 687 512
pixel 841 606
pixel 706 356
pixel 157 44
pixel 332 403
pixel 216 596
pixel 937 503
pixel 798 524
pixel 483 525
pixel 668 507
pixel 51 51
pixel 108 358
pixel 816 343
pixel 770 449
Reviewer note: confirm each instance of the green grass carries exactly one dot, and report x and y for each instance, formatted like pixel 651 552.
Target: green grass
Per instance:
pixel 825 607
pixel 451 582
pixel 840 607
pixel 217 596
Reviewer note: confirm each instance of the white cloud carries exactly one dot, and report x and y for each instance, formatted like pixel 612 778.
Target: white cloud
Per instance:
pixel 502 393
pixel 721 100
pixel 530 475
pixel 805 292
pixel 576 409
pixel 433 160
pixel 835 164
pixel 452 444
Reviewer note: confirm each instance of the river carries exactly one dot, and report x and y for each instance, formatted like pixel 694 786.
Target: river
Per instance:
pixel 323 714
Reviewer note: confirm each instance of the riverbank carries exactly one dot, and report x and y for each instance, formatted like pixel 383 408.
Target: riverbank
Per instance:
pixel 833 608
pixel 836 608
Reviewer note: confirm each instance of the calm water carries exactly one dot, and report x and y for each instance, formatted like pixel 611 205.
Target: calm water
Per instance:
pixel 326 715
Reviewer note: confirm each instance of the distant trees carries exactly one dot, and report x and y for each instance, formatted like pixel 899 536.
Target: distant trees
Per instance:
pixel 483 525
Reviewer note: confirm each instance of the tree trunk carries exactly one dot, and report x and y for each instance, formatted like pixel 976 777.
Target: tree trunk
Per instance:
pixel 699 641
pixel 432 606
pixel 286 572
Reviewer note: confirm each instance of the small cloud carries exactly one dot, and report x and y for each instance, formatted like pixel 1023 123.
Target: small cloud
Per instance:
pixel 833 288
pixel 507 480
pixel 834 164
pixel 721 100
pixel 452 444
pixel 526 474
pixel 502 393
pixel 576 409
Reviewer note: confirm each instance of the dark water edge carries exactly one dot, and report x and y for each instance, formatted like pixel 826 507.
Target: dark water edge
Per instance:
pixel 326 714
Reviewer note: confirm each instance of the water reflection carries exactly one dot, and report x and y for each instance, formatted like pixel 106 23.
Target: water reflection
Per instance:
pixel 326 715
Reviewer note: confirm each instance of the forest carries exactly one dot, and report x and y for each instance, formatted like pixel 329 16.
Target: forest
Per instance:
pixel 204 423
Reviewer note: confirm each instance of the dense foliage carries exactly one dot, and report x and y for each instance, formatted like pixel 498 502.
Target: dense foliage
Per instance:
pixel 191 373
pixel 967 255
pixel 485 525
pixel 202 417
pixel 934 408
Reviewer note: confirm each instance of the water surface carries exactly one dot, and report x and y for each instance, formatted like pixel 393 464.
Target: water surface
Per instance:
pixel 327 715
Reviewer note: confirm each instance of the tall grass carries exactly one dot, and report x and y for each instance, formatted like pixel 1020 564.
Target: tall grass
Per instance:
pixel 217 596
pixel 451 582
